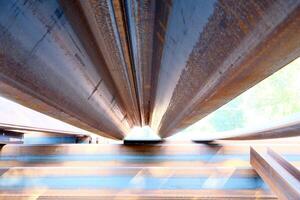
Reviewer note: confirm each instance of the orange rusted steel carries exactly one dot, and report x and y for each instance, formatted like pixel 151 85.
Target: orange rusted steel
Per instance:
pixel 216 50
pixel 104 24
pixel 106 66
pixel 145 19
pixel 47 66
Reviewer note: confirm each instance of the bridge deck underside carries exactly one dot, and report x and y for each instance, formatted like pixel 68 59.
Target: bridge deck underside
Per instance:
pixel 107 66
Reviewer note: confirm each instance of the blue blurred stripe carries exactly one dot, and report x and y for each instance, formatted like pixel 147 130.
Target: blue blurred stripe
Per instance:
pixel 50 140
pixel 127 182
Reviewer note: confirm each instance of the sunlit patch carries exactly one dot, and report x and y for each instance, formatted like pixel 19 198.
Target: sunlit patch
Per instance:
pixel 138 181
pixel 159 172
pixel 214 180
pixel 142 133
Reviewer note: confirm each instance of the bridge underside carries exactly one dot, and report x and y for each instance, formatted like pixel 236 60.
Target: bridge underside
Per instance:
pixel 106 66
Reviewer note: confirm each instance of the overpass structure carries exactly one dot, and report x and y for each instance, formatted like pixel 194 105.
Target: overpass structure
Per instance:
pixel 107 66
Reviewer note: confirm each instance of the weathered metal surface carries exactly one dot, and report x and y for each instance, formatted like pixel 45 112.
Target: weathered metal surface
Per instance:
pixel 181 35
pixel 46 66
pixel 162 11
pixel 106 22
pixel 282 177
pixel 24 129
pixel 106 66
pixel 216 50
pixel 141 16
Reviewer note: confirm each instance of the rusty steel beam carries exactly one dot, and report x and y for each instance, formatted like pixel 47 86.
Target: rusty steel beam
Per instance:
pixel 45 64
pixel 106 66
pixel 127 33
pixel 143 19
pixel 282 177
pixel 106 23
pixel 24 129
pixel 140 15
pixel 162 12
pixel 280 129
pixel 215 50
pixel 144 23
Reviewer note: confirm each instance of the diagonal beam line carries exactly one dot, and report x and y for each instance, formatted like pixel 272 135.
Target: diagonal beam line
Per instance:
pixel 281 176
pixel 279 129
